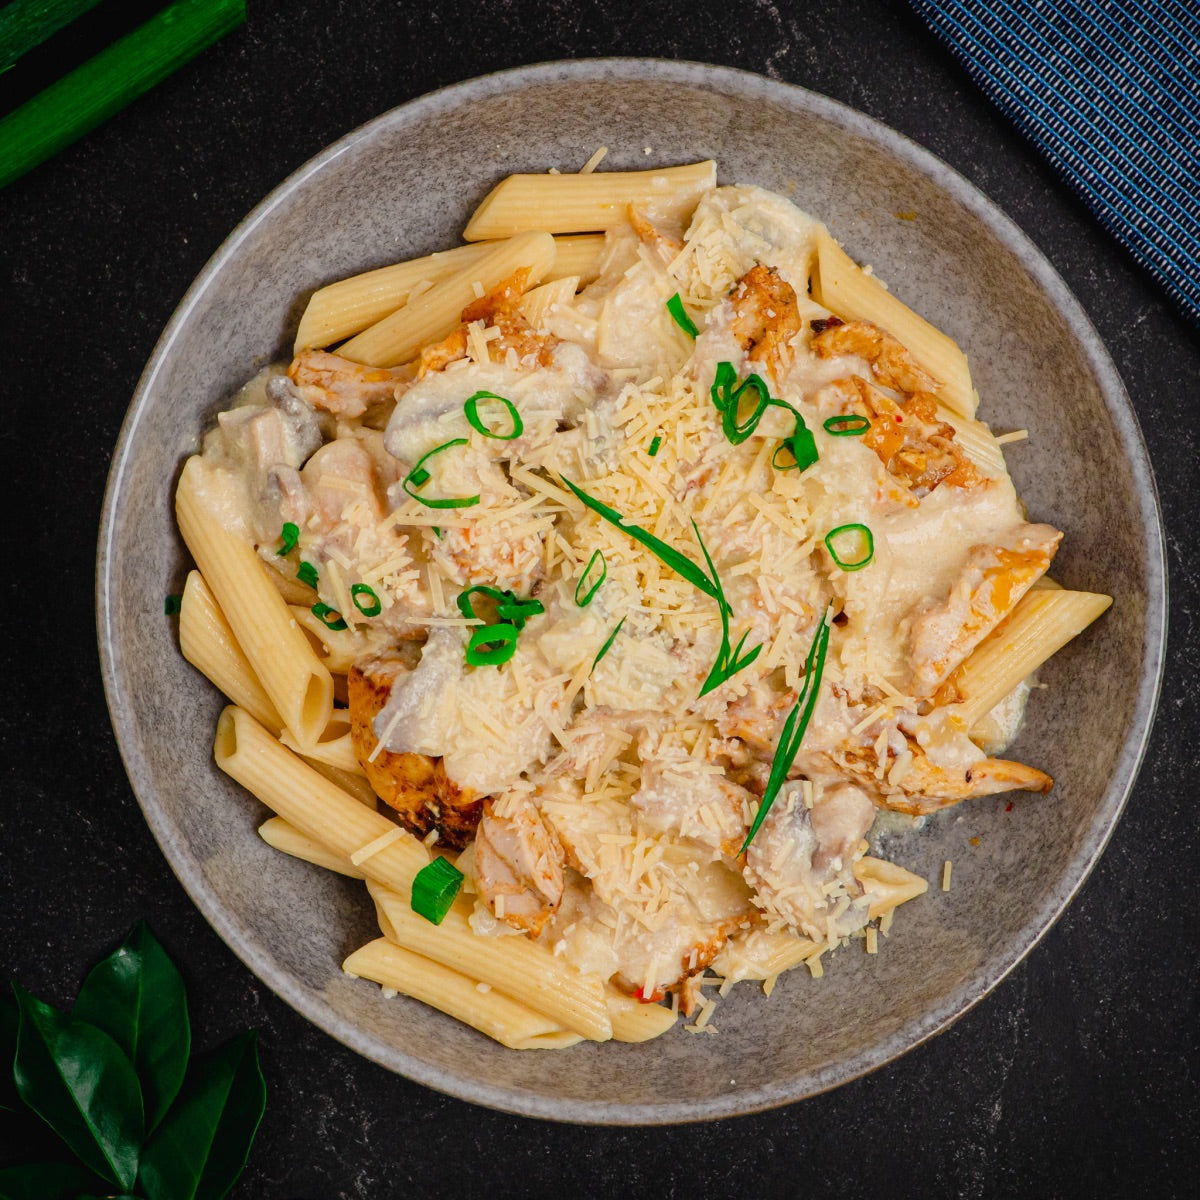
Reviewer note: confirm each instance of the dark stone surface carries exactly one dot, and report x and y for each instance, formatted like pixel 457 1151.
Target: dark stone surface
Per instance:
pixel 1077 1077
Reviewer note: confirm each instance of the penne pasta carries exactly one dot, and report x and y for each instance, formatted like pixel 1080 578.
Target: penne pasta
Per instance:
pixel 400 337
pixel 842 286
pixel 887 884
pixel 492 1012
pixel 636 1021
pixel 535 306
pixel 334 748
pixel 336 648
pixel 298 684
pixel 1044 621
pixel 515 965
pixel 308 801
pixel 277 832
pixel 208 644
pixel 977 441
pixel 582 203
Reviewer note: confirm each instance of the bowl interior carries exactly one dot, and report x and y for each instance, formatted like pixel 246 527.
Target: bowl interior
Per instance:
pixel 403 186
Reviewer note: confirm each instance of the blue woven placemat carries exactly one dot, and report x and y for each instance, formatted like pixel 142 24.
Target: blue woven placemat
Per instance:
pixel 1109 91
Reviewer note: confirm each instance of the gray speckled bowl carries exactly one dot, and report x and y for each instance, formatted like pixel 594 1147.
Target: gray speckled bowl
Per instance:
pixel 403 185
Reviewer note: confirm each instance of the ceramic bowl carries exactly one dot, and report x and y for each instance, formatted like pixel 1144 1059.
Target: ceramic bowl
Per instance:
pixel 402 186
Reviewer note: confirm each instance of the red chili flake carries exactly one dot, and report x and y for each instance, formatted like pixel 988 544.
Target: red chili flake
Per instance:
pixel 653 998
pixel 1008 807
pixel 899 419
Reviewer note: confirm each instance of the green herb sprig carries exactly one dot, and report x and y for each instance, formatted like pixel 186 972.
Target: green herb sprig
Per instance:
pixel 122 1102
pixel 728 662
pixel 434 888
pixel 796 724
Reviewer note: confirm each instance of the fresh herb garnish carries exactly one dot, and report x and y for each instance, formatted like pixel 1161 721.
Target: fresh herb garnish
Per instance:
pixel 847 425
pixel 130 1111
pixel 608 641
pixel 728 663
pixel 371 606
pixel 173 605
pixel 655 443
pixel 680 317
pixel 471 408
pixel 289 535
pixel 329 617
pixel 419 477
pixel 509 606
pixel 586 599
pixel 307 573
pixel 726 394
pixel 796 724
pixel 847 539
pixel 434 889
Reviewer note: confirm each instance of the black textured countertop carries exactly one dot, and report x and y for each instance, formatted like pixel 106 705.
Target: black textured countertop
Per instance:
pixel 1076 1077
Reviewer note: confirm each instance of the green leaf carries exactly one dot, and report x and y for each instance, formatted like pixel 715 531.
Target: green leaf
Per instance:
pixel 44 1181
pixel 199 1150
pixel 78 1080
pixel 137 997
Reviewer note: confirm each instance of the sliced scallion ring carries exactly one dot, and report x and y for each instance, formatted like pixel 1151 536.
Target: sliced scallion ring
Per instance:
pixel 330 617
pixel 419 477
pixel 434 888
pixel 801 448
pixel 480 589
pixel 307 573
pixel 372 606
pixel 516 611
pixel 172 605
pixel 289 535
pixel 586 599
pixel 492 645
pixel 655 443
pixel 847 425
pixel 680 317
pixel 846 540
pixel 471 408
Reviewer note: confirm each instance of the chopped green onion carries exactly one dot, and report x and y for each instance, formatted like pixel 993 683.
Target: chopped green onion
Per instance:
pixel 475 421
pixel 492 645
pixel 172 605
pixel 795 726
pixel 727 663
pixel 25 24
pixel 678 563
pixel 608 641
pixel 480 589
pixel 434 888
pixel 307 573
pixel 847 425
pixel 680 317
pixel 289 535
pixel 586 599
pixel 330 617
pixel 655 443
pixel 727 393
pixel 801 447
pixel 418 477
pixel 517 612
pixel 373 607
pixel 852 536
pixel 437 533
pixel 106 83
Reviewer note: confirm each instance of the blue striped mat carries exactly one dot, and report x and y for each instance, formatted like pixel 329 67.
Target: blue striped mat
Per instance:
pixel 1109 91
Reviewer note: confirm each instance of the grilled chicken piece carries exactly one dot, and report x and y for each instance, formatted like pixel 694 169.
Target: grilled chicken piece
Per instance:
pixel 518 863
pixel 994 578
pixel 497 308
pixel 801 861
pixel 890 361
pixel 928 788
pixel 917 449
pixel 415 785
pixel 344 388
pixel 766 318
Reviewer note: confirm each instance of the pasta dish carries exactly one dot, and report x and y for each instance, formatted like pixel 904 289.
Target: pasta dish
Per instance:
pixel 593 590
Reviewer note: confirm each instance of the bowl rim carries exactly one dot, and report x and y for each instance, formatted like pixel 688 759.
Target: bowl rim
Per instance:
pixel 745 85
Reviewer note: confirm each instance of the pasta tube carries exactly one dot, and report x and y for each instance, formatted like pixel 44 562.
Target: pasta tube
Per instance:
pixel 514 965
pixel 400 337
pixel 298 684
pixel 502 1018
pixel 842 286
pixel 579 203
pixel 276 832
pixel 316 807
